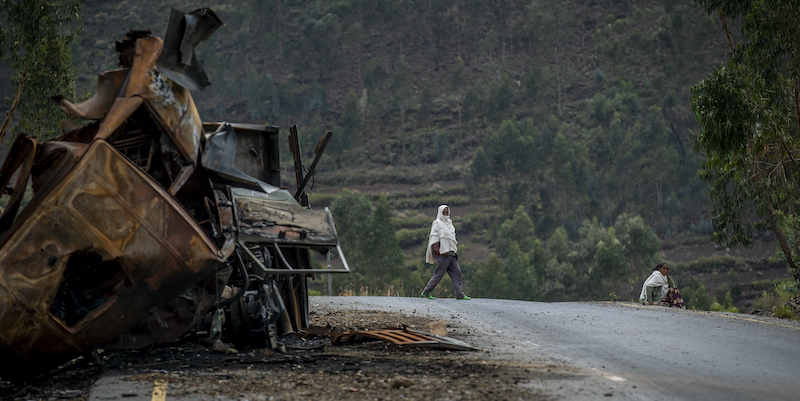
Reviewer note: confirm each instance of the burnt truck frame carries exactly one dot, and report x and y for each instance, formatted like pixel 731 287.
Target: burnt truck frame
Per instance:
pixel 147 224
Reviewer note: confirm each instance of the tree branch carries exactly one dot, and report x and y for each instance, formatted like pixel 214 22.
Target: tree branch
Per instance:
pixel 728 36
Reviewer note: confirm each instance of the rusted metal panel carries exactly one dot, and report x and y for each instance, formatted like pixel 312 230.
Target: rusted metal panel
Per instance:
pixel 281 221
pixel 91 259
pixel 109 85
pixel 403 337
pixel 174 108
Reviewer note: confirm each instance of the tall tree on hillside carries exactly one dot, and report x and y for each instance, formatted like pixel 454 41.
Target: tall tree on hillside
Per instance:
pixel 749 116
pixel 550 17
pixel 352 41
pixel 368 237
pixel 401 92
pixel 35 41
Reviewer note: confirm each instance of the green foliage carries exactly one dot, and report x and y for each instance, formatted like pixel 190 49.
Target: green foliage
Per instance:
pixel 524 268
pixel 736 288
pixel 480 165
pixel 399 85
pixel 544 131
pixel 425 105
pixel 369 240
pixel 350 121
pixel 500 98
pixel 747 111
pixel 517 230
pixel 726 305
pixel 715 263
pixel 36 38
pixel 699 299
pixel 785 312
pixel 778 297
pixel 374 73
pixel 410 237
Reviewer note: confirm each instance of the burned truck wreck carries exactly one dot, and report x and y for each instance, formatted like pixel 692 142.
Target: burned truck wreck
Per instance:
pixel 146 223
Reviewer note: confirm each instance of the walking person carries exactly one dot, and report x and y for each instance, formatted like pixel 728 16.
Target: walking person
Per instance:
pixel 442 248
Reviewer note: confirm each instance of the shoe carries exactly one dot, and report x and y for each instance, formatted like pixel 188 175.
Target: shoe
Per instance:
pixel 466 298
pixel 429 296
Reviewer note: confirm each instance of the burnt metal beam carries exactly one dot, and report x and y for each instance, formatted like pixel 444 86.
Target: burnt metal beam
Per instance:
pixel 321 145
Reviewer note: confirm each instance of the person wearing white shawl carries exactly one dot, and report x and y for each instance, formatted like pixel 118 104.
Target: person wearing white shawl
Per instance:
pixel 442 250
pixel 657 285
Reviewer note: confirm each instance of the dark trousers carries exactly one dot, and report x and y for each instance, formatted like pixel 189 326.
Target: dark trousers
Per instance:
pixel 448 264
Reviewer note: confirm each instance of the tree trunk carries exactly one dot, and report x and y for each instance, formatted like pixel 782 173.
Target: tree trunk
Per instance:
pixel 558 65
pixel 783 241
pixel 280 30
pixel 10 112
pixel 796 90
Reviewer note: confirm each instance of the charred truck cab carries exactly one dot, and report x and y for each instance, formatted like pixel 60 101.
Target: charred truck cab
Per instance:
pixel 146 224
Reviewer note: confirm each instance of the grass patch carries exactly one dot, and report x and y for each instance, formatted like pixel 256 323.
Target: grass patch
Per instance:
pixel 412 237
pixel 417 221
pixel 719 308
pixel 428 201
pixel 715 263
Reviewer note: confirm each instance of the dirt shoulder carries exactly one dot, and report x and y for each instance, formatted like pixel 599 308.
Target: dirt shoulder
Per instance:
pixel 311 367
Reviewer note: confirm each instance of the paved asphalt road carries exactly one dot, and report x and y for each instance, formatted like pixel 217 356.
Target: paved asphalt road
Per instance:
pixel 626 350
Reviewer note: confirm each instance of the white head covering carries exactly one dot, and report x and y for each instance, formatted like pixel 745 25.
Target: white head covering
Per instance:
pixel 443 232
pixel 656 279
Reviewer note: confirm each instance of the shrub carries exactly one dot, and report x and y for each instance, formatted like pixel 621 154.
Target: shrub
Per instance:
pixel 699 299
pixel 784 312
pixel 711 263
pixel 412 237
pixel 720 308
pixel 777 298
pixel 320 200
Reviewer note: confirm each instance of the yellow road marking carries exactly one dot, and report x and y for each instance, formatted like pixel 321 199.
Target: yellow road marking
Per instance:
pixel 159 390
pixel 697 311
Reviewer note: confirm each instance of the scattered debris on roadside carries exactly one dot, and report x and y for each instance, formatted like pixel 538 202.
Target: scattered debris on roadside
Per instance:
pixel 373 370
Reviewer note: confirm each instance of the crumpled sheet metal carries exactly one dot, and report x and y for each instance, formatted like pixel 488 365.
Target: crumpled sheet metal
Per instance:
pixel 220 155
pixel 169 103
pixel 184 32
pixel 112 233
pixel 408 338
pixel 282 222
pixel 173 107
pixel 257 150
pixel 109 85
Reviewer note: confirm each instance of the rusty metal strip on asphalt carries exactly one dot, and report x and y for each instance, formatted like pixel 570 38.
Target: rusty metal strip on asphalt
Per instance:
pixel 404 337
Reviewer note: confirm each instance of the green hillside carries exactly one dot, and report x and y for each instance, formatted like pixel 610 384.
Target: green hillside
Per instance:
pixel 582 110
pixel 561 131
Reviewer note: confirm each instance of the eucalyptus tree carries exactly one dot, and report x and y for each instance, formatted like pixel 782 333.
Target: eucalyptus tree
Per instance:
pixel 35 38
pixel 749 116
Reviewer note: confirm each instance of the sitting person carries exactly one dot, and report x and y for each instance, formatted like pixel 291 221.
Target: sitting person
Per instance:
pixel 659 287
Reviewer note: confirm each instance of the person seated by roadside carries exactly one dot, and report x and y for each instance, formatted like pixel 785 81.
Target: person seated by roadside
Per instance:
pixel 657 285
